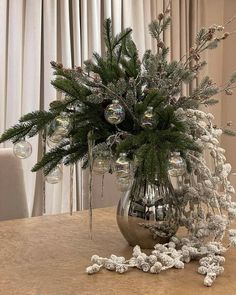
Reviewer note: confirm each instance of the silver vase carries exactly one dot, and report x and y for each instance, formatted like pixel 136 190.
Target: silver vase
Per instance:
pixel 147 214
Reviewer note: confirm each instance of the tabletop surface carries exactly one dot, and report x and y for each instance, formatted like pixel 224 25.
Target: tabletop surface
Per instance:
pixel 48 255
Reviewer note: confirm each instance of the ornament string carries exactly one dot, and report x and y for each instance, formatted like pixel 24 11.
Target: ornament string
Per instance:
pixel 71 173
pixel 91 144
pixel 71 187
pixel 43 180
pixel 102 185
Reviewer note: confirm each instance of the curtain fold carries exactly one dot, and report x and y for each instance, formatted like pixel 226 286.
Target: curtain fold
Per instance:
pixel 35 32
pixel 3 61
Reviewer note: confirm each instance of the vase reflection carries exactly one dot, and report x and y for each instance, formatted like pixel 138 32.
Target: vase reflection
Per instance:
pixel 146 214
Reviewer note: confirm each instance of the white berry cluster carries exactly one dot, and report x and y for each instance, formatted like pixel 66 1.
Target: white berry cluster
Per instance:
pixel 115 263
pixel 232 237
pixel 206 206
pixel 211 267
pixel 165 256
pixel 206 198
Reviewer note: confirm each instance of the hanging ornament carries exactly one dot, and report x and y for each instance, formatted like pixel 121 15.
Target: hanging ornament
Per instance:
pixel 177 165
pixel 123 183
pixel 123 172
pixel 122 166
pixel 102 163
pixel 52 143
pixel 22 149
pixel 55 175
pixel 59 128
pixel 114 113
pixel 43 146
pixel 148 118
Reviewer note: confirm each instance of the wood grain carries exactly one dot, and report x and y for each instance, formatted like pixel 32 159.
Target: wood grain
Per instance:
pixel 48 255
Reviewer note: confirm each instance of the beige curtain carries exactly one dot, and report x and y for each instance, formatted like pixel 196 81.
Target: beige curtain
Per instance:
pixel 34 32
pixel 227 109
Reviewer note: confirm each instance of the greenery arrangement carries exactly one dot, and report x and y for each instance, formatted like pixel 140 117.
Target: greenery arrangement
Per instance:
pixel 136 84
pixel 119 103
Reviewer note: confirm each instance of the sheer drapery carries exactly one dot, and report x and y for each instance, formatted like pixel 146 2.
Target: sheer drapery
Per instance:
pixel 34 32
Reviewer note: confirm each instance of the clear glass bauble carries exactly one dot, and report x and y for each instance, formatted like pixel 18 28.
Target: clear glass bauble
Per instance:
pixel 114 113
pixel 22 149
pixel 122 166
pixel 123 183
pixel 52 142
pixel 177 165
pixel 59 128
pixel 55 176
pixel 148 118
pixel 102 163
pixel 54 139
pixel 124 172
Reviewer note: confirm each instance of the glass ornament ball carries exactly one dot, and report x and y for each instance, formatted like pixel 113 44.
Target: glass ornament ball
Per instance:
pixel 123 183
pixel 148 118
pixel 55 176
pixel 59 128
pixel 123 167
pixel 52 141
pixel 22 149
pixel 101 164
pixel 177 165
pixel 114 113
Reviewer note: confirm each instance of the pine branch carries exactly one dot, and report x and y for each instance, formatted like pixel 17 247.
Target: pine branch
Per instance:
pixel 233 78
pixel 229 132
pixel 157 27
pixel 210 102
pixel 201 35
pixel 58 106
pixel 212 45
pixel 16 133
pixel 63 153
pixel 108 37
pixel 166 23
pixel 72 89
pixel 120 37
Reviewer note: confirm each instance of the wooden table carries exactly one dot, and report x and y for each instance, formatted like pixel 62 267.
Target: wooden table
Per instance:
pixel 48 255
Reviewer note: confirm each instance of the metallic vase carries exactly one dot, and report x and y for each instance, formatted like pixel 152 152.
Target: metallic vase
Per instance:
pixel 146 214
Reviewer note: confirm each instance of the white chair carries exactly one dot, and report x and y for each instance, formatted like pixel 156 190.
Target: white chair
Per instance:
pixel 13 202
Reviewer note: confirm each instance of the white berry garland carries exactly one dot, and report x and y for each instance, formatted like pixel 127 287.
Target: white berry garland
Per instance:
pixel 206 210
pixel 167 256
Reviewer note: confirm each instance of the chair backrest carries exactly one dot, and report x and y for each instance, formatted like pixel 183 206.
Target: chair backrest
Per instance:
pixel 13 203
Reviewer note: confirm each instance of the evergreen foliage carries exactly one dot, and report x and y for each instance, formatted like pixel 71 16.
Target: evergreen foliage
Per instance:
pixel 137 84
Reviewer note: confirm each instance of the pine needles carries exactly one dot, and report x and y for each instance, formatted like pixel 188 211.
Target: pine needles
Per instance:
pixel 137 84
